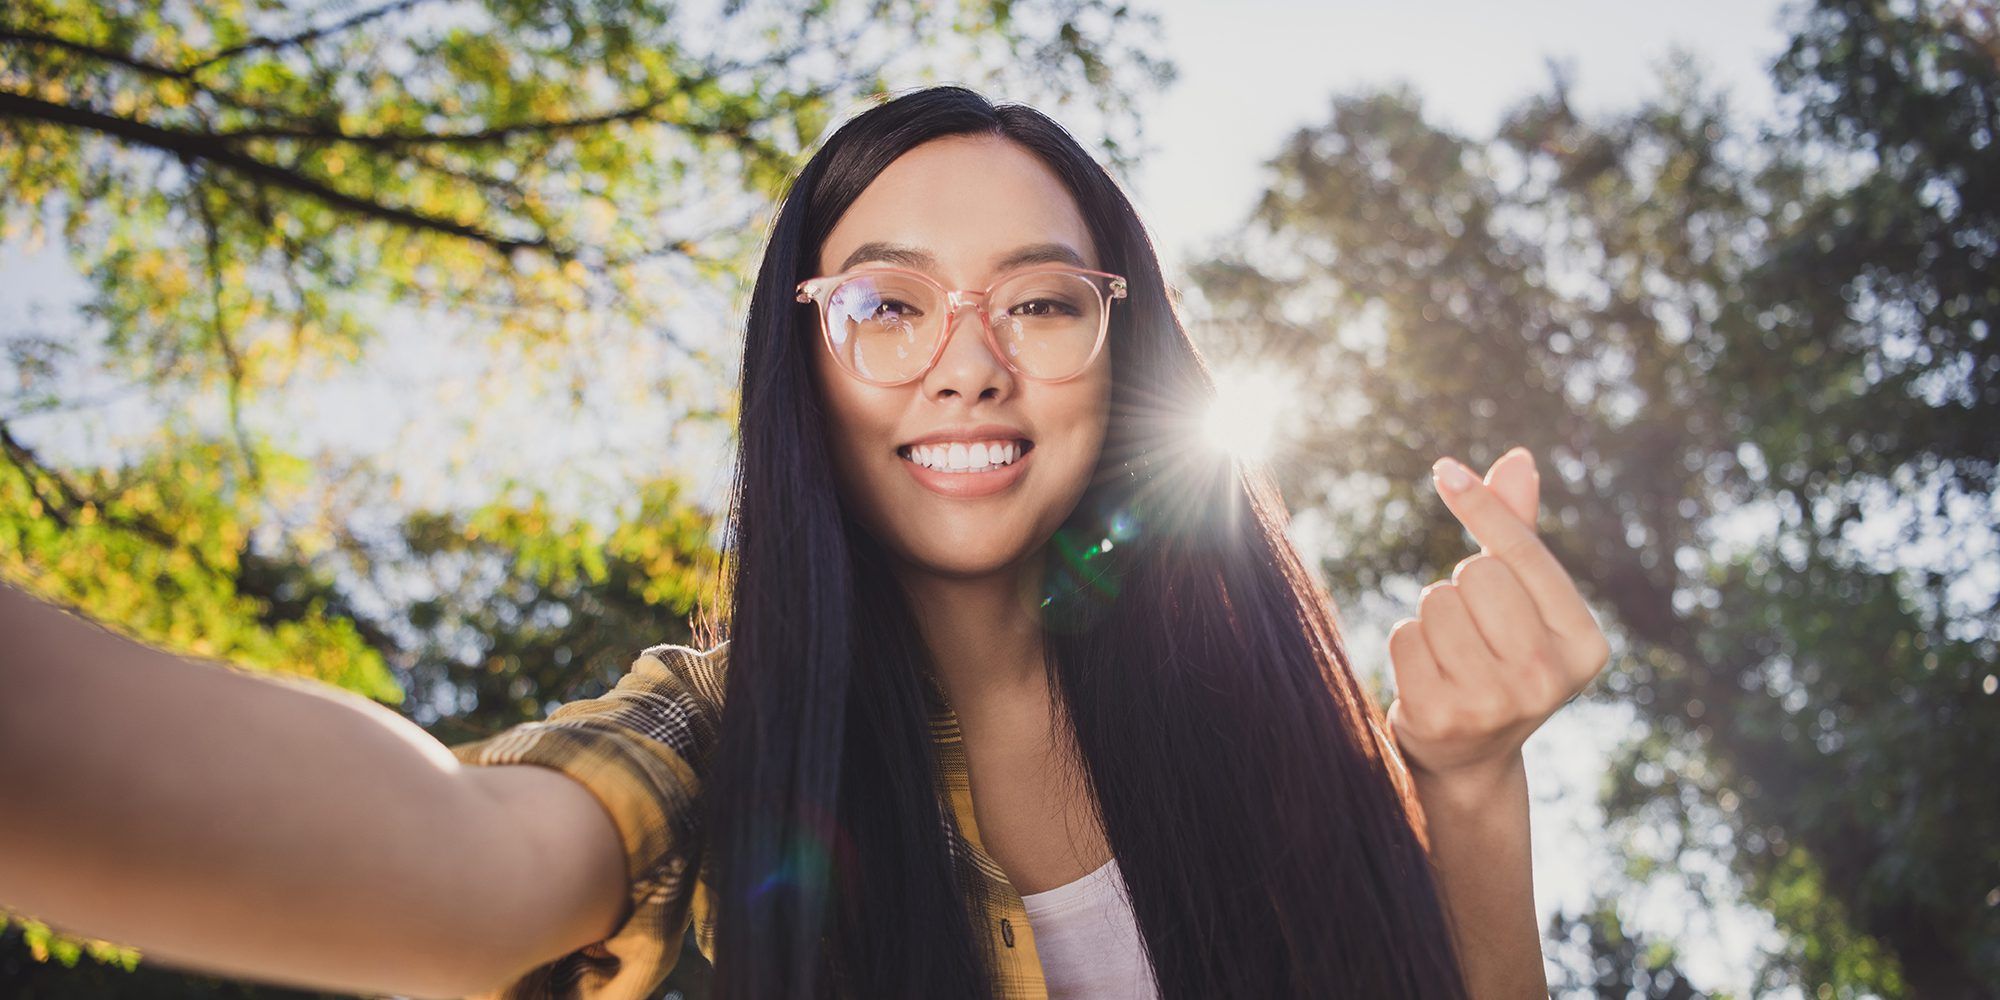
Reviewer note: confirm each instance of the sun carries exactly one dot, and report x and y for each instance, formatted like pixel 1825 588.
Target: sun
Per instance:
pixel 1250 408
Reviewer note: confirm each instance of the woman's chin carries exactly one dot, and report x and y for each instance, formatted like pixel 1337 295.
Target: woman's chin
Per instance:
pixel 964 558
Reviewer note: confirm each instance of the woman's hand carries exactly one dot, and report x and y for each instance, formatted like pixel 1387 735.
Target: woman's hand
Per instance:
pixel 1496 649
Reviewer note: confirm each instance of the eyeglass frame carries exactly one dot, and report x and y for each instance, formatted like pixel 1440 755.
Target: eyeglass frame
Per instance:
pixel 819 292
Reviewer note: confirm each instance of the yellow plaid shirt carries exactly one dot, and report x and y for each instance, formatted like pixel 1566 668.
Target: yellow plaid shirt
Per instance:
pixel 639 748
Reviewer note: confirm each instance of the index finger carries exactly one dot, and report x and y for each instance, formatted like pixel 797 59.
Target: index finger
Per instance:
pixel 1502 533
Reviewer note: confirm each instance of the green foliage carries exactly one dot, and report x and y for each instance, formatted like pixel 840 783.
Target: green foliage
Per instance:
pixel 522 608
pixel 246 184
pixel 262 194
pixel 157 549
pixel 36 964
pixel 1825 949
pixel 45 945
pixel 1598 957
pixel 1759 371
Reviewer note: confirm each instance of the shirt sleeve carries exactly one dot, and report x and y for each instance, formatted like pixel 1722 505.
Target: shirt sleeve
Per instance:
pixel 641 749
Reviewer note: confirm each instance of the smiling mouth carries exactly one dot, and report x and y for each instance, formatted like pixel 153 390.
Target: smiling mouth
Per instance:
pixel 967 456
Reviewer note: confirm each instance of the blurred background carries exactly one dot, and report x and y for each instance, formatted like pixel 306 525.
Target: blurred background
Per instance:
pixel 390 343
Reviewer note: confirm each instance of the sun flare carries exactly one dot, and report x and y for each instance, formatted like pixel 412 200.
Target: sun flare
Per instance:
pixel 1245 419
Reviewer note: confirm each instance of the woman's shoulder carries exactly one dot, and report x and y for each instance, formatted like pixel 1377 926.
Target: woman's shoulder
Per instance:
pixel 670 697
pixel 701 672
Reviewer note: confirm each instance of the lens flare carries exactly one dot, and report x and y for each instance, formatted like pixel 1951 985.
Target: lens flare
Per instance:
pixel 814 847
pixel 1245 419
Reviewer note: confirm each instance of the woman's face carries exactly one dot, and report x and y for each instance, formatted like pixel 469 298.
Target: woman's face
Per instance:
pixel 956 209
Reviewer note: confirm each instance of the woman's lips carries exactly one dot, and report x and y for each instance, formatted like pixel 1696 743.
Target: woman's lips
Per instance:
pixel 969 485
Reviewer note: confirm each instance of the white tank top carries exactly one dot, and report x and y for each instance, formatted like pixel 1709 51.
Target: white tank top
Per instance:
pixel 1089 941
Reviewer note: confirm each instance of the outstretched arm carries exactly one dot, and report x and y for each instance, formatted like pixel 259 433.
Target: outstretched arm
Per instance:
pixel 278 830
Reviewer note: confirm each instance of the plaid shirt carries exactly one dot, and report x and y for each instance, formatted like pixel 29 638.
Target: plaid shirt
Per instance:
pixel 640 748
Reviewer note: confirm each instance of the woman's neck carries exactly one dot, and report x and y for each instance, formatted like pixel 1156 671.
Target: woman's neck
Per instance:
pixel 984 635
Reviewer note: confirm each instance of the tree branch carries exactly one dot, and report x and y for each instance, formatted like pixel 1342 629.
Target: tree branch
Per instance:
pixel 149 68
pixel 127 60
pixel 72 499
pixel 255 576
pixel 212 240
pixel 300 38
pixel 496 133
pixel 206 147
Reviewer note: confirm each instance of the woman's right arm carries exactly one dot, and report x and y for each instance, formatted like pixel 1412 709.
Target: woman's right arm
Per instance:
pixel 277 829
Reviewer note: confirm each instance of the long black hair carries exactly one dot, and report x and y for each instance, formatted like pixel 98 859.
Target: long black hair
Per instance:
pixel 1241 773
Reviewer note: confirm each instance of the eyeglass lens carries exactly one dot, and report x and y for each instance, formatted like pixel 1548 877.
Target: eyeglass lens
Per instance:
pixel 886 326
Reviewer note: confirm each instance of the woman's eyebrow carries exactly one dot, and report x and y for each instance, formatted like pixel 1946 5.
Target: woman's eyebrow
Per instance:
pixel 916 258
pixel 1040 253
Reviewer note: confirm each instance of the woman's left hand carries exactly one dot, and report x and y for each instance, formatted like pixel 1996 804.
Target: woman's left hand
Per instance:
pixel 1498 648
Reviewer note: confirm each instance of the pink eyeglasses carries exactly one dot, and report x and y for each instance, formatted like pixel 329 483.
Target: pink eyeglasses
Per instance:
pixel 888 326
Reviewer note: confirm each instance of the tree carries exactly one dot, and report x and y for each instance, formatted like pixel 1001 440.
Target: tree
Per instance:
pixel 1756 365
pixel 1611 963
pixel 261 195
pixel 244 184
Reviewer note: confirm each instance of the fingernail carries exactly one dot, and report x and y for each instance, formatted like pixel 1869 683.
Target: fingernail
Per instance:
pixel 1451 475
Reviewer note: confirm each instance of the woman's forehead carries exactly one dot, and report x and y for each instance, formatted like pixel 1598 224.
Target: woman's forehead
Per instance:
pixel 960 206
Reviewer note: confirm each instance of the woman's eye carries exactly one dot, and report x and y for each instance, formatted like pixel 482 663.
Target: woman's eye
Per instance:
pixel 892 309
pixel 1043 307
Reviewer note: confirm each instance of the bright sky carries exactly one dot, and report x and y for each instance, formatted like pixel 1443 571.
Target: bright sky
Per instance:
pixel 1252 71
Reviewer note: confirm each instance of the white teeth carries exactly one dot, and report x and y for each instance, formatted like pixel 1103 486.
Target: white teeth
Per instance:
pixel 961 457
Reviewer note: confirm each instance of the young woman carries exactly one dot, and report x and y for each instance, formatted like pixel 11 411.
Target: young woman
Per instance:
pixel 1027 694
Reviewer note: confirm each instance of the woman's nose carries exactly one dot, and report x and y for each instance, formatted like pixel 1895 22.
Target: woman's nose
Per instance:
pixel 968 365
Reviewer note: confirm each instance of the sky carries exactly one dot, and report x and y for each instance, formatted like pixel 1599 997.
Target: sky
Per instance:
pixel 1251 71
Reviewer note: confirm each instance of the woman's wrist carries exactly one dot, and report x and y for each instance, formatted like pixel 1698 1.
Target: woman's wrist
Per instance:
pixel 1472 790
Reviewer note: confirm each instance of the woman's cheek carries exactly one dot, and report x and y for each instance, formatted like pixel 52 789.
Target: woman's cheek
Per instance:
pixel 852 431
